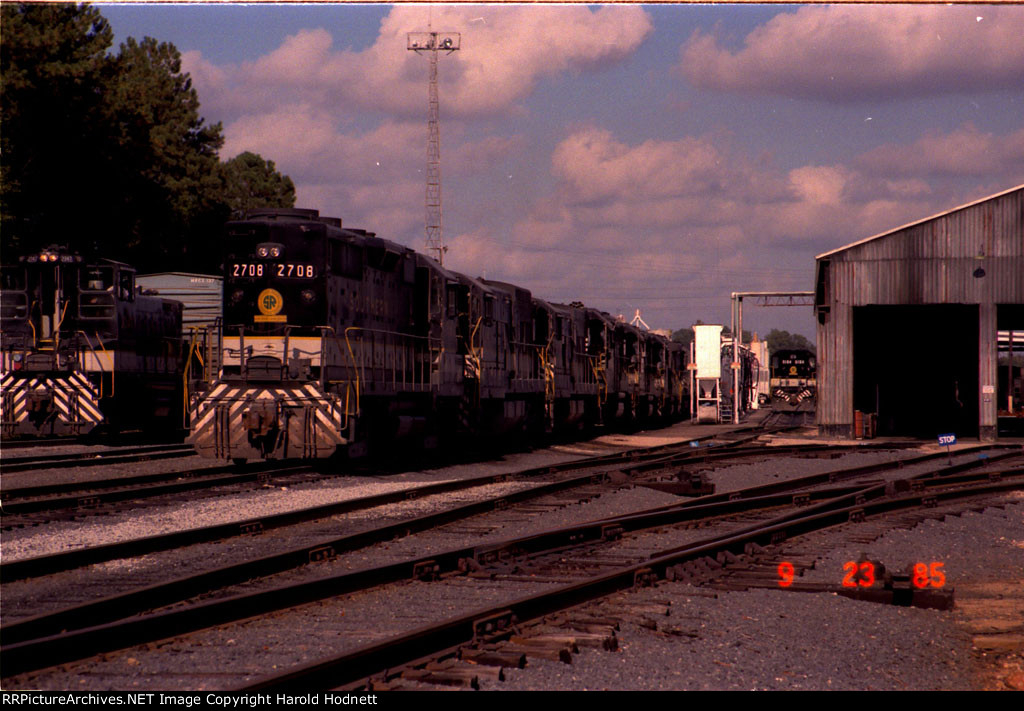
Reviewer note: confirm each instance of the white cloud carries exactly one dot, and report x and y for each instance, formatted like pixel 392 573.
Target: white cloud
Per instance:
pixel 851 52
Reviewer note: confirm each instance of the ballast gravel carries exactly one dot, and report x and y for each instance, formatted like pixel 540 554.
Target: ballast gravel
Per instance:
pixel 264 501
pixel 777 640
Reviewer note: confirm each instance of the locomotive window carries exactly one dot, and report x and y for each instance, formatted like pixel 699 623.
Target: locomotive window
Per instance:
pixel 452 296
pixel 126 286
pixel 96 306
pixel 13 305
pixel 12 279
pixel 96 278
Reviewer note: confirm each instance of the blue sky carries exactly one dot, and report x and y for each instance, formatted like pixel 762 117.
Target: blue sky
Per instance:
pixel 652 157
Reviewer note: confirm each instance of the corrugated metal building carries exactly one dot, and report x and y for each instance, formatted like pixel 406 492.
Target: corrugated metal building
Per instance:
pixel 908 322
pixel 200 293
pixel 202 296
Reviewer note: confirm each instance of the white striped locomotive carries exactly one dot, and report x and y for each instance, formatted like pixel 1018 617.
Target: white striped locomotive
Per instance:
pixel 80 348
pixel 334 338
pixel 793 383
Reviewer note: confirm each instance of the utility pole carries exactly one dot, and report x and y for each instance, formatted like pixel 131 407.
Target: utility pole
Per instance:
pixel 431 42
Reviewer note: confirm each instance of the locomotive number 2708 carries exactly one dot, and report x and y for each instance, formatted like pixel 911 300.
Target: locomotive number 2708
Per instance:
pixel 301 271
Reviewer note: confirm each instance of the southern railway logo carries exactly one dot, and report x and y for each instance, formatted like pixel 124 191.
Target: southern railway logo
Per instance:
pixel 270 303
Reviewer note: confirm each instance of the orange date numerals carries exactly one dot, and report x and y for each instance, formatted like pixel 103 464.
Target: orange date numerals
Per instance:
pixel 862 574
pixel 786 571
pixel 928 575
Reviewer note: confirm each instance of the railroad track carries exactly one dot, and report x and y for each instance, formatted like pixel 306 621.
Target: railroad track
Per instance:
pixel 634 463
pixel 27 506
pixel 438 566
pixel 9 444
pixel 103 457
pixel 449 651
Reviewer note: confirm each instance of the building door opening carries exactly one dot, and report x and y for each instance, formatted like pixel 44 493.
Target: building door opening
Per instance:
pixel 917 368
pixel 1010 367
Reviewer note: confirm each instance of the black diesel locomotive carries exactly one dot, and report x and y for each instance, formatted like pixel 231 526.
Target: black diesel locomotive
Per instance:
pixel 792 383
pixel 335 339
pixel 81 347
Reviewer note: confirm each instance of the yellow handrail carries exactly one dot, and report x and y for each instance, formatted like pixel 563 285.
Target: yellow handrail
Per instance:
pixel 32 325
pixel 184 377
pixel 112 369
pixel 56 331
pixel 355 367
pixel 93 351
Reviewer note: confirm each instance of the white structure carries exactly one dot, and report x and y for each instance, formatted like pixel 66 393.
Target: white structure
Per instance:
pixel 707 355
pixel 761 386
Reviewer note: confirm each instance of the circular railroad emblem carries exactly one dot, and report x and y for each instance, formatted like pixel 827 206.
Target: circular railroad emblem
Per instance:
pixel 270 302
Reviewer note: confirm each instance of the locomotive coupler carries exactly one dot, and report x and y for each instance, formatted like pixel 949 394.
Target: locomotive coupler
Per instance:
pixel 260 420
pixel 262 426
pixel 40 406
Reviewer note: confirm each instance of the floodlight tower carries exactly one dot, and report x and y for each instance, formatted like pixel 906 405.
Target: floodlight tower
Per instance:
pixel 431 42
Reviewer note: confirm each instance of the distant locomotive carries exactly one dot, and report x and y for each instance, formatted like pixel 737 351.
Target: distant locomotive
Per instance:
pixel 80 348
pixel 792 384
pixel 334 338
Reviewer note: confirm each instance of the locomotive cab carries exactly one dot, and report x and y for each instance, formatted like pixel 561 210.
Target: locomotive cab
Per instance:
pixel 71 330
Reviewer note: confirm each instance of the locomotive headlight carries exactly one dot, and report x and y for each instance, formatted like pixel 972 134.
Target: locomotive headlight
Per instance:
pixel 17 357
pixel 275 251
pixel 308 296
pixel 262 252
pixel 236 296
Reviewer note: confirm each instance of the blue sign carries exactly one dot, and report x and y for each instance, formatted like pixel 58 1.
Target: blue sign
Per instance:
pixel 947 439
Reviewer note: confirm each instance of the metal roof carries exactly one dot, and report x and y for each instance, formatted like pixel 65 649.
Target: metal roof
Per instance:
pixel 917 222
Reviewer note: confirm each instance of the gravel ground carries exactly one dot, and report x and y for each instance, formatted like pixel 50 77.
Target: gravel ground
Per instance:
pixel 125 525
pixel 767 639
pixel 773 470
pixel 67 475
pixel 726 670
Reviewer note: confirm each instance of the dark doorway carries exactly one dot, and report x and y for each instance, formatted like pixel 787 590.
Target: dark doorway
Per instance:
pixel 1010 370
pixel 917 368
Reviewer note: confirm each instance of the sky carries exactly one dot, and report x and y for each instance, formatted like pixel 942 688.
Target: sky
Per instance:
pixel 628 156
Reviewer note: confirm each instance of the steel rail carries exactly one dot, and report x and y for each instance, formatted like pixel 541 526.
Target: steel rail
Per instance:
pixel 118 606
pixel 347 669
pixel 847 473
pixel 188 481
pixel 58 648
pixel 40 442
pixel 67 560
pixel 87 487
pixel 88 459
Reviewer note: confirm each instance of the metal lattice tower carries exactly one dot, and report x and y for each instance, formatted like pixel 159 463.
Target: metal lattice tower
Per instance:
pixel 431 42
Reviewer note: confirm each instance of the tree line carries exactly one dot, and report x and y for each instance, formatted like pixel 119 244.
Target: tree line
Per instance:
pixel 107 152
pixel 777 340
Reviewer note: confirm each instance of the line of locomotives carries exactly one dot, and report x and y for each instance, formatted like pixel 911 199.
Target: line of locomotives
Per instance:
pixel 82 348
pixel 331 339
pixel 334 338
